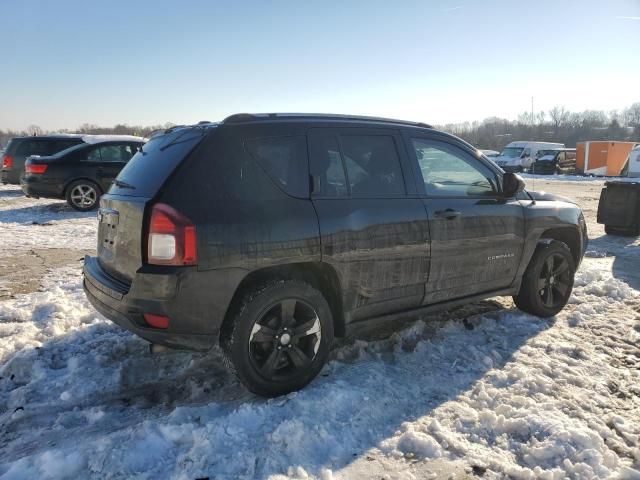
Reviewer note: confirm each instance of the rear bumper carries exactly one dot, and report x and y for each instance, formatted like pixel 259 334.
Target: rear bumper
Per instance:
pixel 33 186
pixel 10 176
pixel 195 302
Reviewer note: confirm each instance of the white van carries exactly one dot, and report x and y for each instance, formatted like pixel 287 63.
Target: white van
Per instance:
pixel 634 162
pixel 519 156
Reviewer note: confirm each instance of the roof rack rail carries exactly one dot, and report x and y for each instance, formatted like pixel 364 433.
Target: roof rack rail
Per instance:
pixel 247 117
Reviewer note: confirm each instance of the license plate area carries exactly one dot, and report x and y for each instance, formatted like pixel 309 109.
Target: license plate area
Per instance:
pixel 108 220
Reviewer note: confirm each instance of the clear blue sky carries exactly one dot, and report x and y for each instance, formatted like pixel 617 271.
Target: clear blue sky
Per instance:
pixel 68 62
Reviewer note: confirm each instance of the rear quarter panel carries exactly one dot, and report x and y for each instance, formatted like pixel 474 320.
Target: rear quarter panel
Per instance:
pixel 243 219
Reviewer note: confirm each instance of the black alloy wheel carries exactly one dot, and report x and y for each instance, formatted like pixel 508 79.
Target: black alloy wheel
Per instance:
pixel 555 281
pixel 548 280
pixel 285 339
pixel 276 337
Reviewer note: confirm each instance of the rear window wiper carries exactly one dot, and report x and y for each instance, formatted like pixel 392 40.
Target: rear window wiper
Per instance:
pixel 121 184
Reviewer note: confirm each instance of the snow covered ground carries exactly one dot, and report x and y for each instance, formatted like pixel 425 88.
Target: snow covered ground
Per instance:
pixel 576 178
pixel 28 223
pixel 502 394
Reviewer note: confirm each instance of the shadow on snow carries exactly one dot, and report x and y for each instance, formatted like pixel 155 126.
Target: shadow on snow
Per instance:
pixel 41 214
pixel 361 398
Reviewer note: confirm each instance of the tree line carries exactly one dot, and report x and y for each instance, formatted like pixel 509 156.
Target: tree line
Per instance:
pixel 556 125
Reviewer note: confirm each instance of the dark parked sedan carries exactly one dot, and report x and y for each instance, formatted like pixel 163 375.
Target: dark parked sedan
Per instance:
pixel 79 174
pixel 20 148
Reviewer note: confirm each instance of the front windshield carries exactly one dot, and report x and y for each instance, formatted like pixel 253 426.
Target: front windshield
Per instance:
pixel 542 153
pixel 512 152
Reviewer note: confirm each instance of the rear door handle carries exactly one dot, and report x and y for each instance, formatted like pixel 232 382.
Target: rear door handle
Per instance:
pixel 449 214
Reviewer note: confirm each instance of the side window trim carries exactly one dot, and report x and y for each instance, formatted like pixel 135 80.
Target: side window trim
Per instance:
pixel 422 192
pixel 338 138
pixel 313 136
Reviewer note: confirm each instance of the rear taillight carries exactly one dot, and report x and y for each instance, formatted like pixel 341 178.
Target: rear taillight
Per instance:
pixel 7 161
pixel 29 168
pixel 156 321
pixel 171 238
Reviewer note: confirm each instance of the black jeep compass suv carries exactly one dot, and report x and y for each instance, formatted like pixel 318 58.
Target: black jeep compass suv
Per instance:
pixel 273 233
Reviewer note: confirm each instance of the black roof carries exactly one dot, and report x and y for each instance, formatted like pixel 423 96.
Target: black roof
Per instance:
pixel 257 117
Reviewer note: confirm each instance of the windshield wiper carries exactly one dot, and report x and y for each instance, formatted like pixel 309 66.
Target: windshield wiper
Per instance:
pixel 121 184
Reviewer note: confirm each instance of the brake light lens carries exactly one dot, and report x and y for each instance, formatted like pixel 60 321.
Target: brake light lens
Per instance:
pixel 29 168
pixel 156 321
pixel 7 161
pixel 171 238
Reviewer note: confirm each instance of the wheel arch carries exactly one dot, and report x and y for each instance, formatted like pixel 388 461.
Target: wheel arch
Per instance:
pixel 567 235
pixel 320 275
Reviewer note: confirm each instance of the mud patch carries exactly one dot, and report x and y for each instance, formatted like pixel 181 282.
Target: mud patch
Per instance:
pixel 23 271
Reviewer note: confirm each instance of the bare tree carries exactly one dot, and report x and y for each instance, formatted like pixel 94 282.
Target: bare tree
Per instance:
pixel 594 119
pixel 632 115
pixel 559 116
pixel 34 130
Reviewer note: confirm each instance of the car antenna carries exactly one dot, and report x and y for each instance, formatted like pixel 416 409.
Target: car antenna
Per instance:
pixel 533 185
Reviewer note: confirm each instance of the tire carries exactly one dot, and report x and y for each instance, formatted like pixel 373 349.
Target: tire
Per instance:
pixel 541 293
pixel 273 352
pixel 624 232
pixel 83 195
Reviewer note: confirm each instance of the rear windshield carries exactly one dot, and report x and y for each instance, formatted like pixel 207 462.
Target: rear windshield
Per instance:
pixel 148 169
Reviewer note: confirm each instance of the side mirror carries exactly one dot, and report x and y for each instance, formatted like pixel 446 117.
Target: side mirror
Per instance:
pixel 512 184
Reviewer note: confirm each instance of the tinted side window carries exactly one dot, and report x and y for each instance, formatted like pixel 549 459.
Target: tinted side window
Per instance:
pixel 93 155
pixel 135 147
pixel 326 167
pixel 450 171
pixel 373 165
pixel 111 153
pixel 285 161
pixel 33 147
